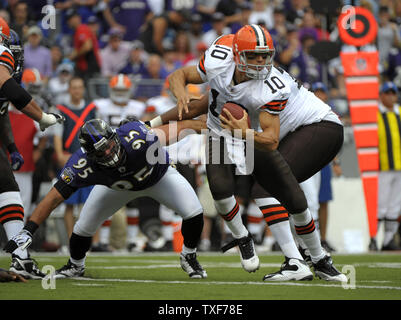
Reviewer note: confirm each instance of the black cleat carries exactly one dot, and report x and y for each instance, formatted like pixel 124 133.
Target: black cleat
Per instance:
pixel 190 264
pixel 324 269
pixel 28 268
pixel 69 270
pixel 249 259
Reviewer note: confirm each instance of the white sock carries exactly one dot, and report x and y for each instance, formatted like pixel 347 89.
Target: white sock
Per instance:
pixel 79 263
pixel 185 250
pixel 274 214
pixel 305 229
pixel 12 228
pixel 229 210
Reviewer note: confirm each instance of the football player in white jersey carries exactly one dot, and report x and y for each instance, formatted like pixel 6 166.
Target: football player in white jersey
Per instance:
pixel 11 206
pixel 239 69
pixel 117 107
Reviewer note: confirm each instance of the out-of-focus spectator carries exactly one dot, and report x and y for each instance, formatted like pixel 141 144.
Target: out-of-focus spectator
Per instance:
pixel 153 76
pixel 5 15
pixel 20 19
pixel 170 61
pixel 76 111
pixel 58 85
pixel 195 31
pixel 303 66
pixel 389 197
pixel 85 9
pixel 116 54
pixel 36 55
pixel 279 31
pixel 183 47
pixel 295 10
pixel 308 25
pixel 86 53
pixel 388 36
pixel 262 11
pixel 244 14
pixel 57 57
pixel 128 16
pixel 291 48
pixel 219 28
pixel 136 64
pixel 175 16
pixel 231 10
pixel 206 8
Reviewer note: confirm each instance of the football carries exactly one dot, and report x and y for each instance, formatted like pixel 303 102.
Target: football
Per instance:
pixel 236 110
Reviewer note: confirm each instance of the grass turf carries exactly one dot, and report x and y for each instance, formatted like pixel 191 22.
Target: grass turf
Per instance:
pixel 159 277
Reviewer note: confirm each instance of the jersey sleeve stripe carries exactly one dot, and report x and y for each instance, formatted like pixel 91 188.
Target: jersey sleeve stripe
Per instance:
pixel 277 106
pixel 6 55
pixel 7 64
pixel 202 65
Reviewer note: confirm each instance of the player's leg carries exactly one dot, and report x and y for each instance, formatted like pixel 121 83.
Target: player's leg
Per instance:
pixel 221 183
pixel 222 186
pixel 307 150
pixel 12 219
pixel 132 213
pixel 276 217
pixel 389 206
pixel 175 192
pixel 102 203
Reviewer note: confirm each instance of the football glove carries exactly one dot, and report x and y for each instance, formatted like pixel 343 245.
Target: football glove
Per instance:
pixel 22 240
pixel 16 160
pixel 49 119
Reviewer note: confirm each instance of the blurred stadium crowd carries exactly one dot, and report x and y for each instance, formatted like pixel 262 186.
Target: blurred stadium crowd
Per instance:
pixel 148 39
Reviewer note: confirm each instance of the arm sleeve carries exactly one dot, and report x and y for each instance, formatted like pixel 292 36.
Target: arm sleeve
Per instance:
pixel 65 190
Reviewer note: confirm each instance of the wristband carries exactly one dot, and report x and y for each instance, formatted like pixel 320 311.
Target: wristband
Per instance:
pixel 156 122
pixel 31 226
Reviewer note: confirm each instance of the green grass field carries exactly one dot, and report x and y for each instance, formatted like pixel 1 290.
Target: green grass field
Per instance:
pixel 159 277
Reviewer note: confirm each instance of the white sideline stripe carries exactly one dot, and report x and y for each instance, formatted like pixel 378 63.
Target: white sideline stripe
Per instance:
pixel 296 284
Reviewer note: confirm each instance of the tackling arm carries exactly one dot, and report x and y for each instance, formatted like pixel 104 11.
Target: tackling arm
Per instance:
pixel 50 202
pixel 168 134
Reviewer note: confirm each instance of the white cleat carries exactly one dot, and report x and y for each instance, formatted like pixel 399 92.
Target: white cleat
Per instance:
pixel 291 269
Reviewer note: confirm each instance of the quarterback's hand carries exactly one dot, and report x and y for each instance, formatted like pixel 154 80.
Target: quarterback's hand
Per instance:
pixel 49 119
pixel 22 239
pixel 182 105
pixel 16 160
